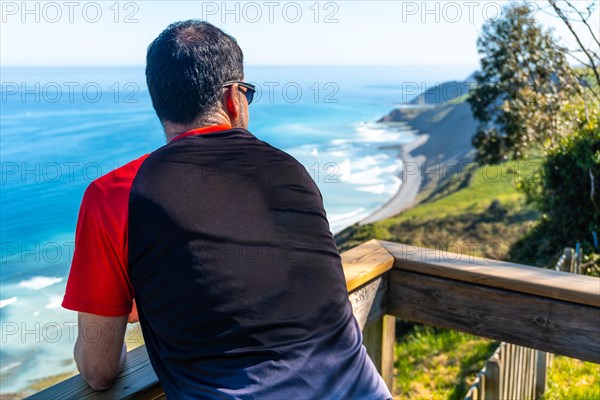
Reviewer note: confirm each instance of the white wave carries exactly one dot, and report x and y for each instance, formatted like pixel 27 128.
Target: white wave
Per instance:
pixel 39 282
pixel 376 133
pixel 340 217
pixel 344 169
pixel 365 162
pixel 367 177
pixel 337 226
pixel 375 189
pixel 392 168
pixel 338 153
pixel 55 302
pixel 10 366
pixel 5 302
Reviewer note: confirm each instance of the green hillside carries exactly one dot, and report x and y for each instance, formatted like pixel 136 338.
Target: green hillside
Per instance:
pixel 477 211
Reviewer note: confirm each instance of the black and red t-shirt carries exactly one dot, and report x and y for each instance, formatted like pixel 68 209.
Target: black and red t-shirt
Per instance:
pixel 223 242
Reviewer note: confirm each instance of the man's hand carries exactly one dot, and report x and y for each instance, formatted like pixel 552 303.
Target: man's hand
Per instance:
pixel 133 315
pixel 100 349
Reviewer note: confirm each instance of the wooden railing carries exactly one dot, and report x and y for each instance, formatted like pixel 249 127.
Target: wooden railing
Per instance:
pixel 542 309
pixel 517 371
pixel 512 372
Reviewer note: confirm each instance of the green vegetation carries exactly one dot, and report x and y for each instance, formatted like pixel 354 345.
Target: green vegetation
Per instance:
pixel 478 187
pixel 573 379
pixel 524 83
pixel 531 104
pixel 566 191
pixel 477 211
pixel 438 363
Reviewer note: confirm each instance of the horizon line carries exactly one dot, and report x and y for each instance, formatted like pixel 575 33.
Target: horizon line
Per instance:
pixel 246 66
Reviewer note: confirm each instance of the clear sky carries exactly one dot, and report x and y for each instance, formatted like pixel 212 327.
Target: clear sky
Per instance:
pixel 98 33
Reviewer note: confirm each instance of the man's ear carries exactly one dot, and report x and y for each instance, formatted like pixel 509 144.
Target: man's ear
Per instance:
pixel 232 102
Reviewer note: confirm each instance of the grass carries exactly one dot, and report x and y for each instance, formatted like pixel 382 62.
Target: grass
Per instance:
pixel 573 379
pixel 471 191
pixel 477 212
pixel 438 363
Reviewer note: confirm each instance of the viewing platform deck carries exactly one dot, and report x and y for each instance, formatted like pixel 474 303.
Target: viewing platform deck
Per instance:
pixel 543 309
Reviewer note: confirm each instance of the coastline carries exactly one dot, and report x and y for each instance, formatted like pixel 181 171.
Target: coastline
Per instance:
pixel 406 195
pixel 444 134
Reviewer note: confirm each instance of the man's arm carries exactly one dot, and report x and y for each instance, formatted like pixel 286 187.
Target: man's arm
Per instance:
pixel 100 350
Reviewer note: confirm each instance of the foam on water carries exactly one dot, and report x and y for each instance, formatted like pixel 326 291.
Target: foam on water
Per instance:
pixel 348 215
pixel 341 221
pixel 54 302
pixel 6 302
pixel 377 189
pixel 39 282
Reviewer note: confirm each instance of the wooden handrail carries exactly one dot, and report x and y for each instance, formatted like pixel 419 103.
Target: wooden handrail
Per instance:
pixel 501 274
pixel 538 308
pixel 534 307
pixel 364 263
pixel 136 381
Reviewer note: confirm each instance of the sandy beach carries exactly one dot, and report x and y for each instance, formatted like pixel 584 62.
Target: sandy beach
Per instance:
pixel 411 178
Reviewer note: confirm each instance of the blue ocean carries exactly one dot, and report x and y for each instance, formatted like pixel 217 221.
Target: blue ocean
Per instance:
pixel 61 128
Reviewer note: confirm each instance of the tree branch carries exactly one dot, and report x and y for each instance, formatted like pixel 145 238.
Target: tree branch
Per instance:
pixel 562 16
pixel 584 20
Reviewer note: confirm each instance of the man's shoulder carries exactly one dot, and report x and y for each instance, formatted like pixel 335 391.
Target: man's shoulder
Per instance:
pixel 283 155
pixel 116 183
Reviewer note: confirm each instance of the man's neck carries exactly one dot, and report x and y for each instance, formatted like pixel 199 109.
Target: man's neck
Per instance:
pixel 173 130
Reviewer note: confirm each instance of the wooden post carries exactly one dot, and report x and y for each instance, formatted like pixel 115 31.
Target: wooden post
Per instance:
pixel 475 393
pixel 505 357
pixel 379 339
pixel 579 260
pixel 481 385
pixel 540 374
pixel 478 386
pixel 492 379
pixel 531 393
pixel 512 353
pixel 519 371
pixel 523 371
pixel 528 370
pixel 567 265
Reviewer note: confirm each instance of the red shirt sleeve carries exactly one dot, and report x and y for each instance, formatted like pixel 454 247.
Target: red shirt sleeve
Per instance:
pixel 98 281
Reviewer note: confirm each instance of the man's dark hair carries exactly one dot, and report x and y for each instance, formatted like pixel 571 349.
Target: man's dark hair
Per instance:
pixel 186 66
